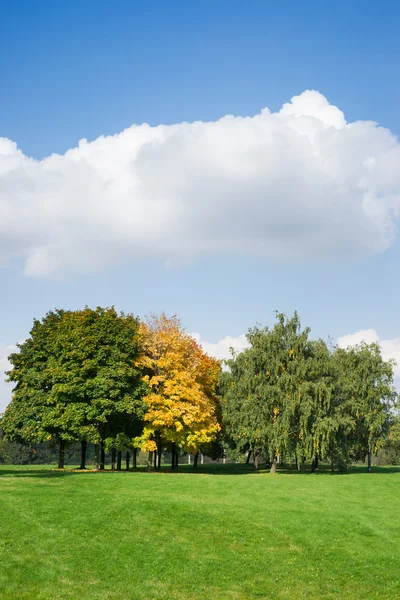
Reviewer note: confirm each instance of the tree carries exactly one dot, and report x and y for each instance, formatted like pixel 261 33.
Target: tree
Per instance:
pixel 367 388
pixel 26 416
pixel 265 387
pixel 74 375
pixel 182 403
pixel 278 394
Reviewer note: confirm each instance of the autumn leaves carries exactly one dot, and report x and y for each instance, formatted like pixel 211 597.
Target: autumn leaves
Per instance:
pixel 181 383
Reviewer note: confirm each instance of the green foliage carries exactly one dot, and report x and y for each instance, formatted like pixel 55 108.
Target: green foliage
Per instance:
pixel 75 376
pixel 389 453
pixel 368 395
pixel 277 390
pixel 287 395
pixel 3 451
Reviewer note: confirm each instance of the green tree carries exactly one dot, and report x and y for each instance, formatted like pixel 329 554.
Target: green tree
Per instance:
pixel 24 418
pixel 366 388
pixel 270 391
pixel 74 375
pixel 280 396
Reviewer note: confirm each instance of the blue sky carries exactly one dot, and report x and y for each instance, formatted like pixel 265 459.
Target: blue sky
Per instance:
pixel 78 70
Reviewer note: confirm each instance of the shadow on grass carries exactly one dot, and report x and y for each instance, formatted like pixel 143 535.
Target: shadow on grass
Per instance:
pixel 326 470
pixel 51 471
pixel 208 469
pixel 35 471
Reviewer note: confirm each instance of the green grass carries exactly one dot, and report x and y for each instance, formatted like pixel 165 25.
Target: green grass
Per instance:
pixel 223 533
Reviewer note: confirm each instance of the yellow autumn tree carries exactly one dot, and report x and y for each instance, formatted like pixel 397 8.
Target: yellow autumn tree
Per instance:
pixel 182 405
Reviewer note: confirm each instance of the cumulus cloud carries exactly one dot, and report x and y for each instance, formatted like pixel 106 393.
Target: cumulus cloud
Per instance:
pixel 389 348
pixel 5 388
pixel 222 349
pixel 298 184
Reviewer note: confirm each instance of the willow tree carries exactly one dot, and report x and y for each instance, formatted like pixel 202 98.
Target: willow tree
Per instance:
pixel 182 403
pixel 366 387
pixel 278 392
pixel 262 389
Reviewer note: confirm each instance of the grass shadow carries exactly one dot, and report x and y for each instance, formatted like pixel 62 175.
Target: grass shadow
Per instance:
pixel 39 471
pixel 326 470
pixel 45 471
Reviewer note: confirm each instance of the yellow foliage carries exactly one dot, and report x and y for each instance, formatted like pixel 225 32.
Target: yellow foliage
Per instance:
pixel 182 406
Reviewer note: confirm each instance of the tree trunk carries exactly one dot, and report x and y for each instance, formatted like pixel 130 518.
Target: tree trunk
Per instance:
pixel 83 454
pixel 102 456
pixel 155 459
pixel 61 454
pixel 256 458
pixel 173 456
pixel 119 460
pixel 127 461
pixel 248 457
pixel 135 458
pixel 113 457
pixel 369 460
pixel 176 457
pixel 273 466
pixel 96 456
pixel 195 460
pixel 332 465
pixel 313 466
pixel 149 462
pixel 159 451
pixel 316 460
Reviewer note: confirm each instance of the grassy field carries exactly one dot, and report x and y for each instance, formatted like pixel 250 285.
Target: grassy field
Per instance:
pixel 224 532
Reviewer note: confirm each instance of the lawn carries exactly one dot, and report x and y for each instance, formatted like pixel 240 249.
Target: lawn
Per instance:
pixel 225 532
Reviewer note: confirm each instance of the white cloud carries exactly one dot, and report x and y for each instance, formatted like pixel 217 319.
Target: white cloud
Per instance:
pixel 389 348
pixel 297 184
pixel 5 388
pixel 221 349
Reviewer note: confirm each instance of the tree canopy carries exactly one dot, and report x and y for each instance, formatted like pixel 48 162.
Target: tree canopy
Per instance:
pixel 182 404
pixel 74 375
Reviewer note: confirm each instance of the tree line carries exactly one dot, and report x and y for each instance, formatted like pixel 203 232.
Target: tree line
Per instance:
pixel 95 376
